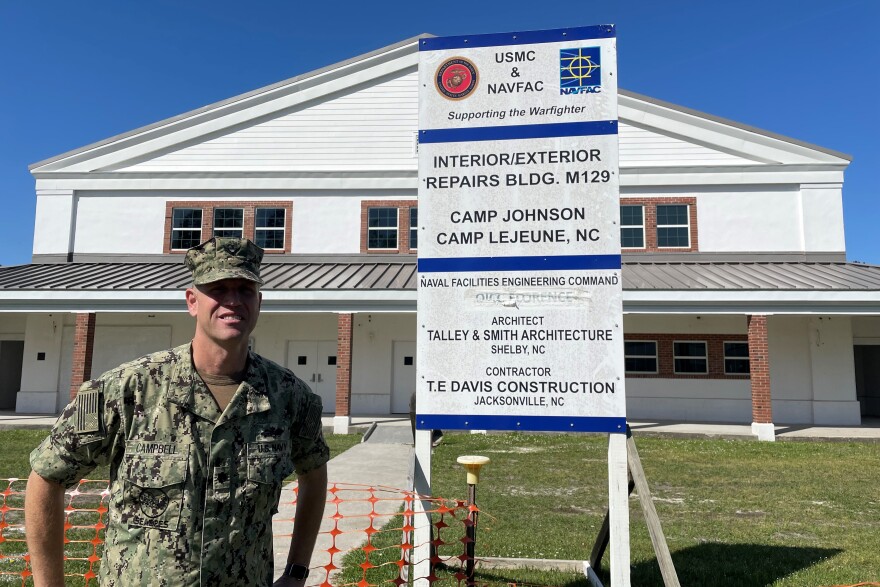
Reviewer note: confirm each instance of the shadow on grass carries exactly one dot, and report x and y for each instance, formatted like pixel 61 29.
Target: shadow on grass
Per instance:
pixel 728 565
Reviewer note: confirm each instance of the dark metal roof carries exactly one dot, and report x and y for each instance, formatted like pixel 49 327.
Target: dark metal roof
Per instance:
pixel 309 275
pixel 771 276
pixel 358 273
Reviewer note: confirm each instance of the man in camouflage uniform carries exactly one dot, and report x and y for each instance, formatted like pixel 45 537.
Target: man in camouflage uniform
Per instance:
pixel 199 439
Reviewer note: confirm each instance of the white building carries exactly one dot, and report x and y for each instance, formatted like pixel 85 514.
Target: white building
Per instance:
pixel 734 258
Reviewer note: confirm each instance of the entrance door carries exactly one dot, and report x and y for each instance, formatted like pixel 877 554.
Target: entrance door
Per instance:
pixel 867 360
pixel 314 361
pixel 403 383
pixel 11 354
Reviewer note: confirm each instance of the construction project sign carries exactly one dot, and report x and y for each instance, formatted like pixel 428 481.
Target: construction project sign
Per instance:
pixel 519 302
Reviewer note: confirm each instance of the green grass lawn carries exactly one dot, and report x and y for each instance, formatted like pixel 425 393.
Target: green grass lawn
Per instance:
pixel 736 513
pixel 16 447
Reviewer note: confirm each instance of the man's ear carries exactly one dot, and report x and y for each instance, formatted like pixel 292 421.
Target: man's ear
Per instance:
pixel 192 301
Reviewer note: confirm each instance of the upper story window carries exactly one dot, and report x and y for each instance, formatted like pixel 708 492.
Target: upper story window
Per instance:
pixel 654 224
pixel 673 226
pixel 640 356
pixel 736 358
pixel 632 227
pixel 382 228
pixel 689 357
pixel 229 222
pixel 413 229
pixel 269 225
pixel 266 223
pixel 389 226
pixel 186 227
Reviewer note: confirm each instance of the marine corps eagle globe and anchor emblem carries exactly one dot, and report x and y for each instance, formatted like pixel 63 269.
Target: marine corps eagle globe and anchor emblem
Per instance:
pixel 456 78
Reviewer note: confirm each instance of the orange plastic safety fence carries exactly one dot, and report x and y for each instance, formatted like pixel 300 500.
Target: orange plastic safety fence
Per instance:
pixel 84 521
pixel 357 519
pixel 378 526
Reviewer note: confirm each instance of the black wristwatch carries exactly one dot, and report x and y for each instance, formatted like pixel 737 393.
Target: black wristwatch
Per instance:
pixel 296 571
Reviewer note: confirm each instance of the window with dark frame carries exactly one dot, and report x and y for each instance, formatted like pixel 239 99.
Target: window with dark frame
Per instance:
pixel 673 226
pixel 413 229
pixel 690 358
pixel 632 227
pixel 269 224
pixel 229 222
pixel 382 228
pixel 640 356
pixel 186 228
pixel 736 358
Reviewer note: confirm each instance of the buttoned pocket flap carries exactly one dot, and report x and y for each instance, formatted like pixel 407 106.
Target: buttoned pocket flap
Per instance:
pixel 268 461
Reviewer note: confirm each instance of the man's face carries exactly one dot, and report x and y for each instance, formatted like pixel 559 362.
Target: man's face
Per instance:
pixel 226 311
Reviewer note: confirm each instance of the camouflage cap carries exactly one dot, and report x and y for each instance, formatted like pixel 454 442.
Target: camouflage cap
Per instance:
pixel 224 258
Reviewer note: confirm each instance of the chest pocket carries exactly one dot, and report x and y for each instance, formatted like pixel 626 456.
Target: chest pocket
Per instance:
pixel 154 487
pixel 268 464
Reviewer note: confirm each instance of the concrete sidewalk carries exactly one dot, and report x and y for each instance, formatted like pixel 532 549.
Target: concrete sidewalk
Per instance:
pixel 869 429
pixel 383 464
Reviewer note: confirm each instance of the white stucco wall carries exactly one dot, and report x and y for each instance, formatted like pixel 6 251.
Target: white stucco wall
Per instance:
pixel 700 400
pixel 114 222
pixel 833 371
pixel 275 331
pixel 119 222
pixel 791 381
pixel 812 377
pixel 707 400
pixel 752 219
pixel 12 326
pixel 39 378
pixel 823 217
pixel 373 339
pixel 790 220
pixel 53 221
pixel 325 224
pixel 866 329
pixel 684 324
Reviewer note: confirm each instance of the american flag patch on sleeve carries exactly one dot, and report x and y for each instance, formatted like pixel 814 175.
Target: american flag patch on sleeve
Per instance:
pixel 311 423
pixel 89 404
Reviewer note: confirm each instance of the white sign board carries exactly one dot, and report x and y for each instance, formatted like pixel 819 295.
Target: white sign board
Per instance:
pixel 519 304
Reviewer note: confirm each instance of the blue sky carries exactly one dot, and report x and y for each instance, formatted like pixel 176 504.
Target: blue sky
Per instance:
pixel 72 73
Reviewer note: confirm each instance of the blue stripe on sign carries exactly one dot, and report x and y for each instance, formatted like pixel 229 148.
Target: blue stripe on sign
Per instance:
pixel 604 31
pixel 518 131
pixel 531 423
pixel 557 263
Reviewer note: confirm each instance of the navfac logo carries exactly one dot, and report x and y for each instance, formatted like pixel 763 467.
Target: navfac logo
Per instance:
pixel 580 71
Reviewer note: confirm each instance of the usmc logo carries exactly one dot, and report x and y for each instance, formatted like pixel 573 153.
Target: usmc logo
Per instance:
pixel 456 78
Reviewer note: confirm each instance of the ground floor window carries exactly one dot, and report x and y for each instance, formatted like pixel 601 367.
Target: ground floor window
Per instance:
pixel 640 356
pixel 690 357
pixel 736 358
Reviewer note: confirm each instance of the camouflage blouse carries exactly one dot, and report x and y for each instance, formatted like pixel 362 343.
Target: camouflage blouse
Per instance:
pixel 192 490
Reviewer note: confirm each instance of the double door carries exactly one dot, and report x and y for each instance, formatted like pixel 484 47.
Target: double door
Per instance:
pixel 314 361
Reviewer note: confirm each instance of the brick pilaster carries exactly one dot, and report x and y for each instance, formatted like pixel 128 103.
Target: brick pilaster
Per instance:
pixel 343 364
pixel 83 344
pixel 759 363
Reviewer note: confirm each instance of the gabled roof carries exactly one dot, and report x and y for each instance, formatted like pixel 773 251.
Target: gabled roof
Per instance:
pixel 638 111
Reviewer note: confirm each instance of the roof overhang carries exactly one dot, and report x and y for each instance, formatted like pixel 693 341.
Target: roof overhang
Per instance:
pixel 388 283
pixel 311 301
